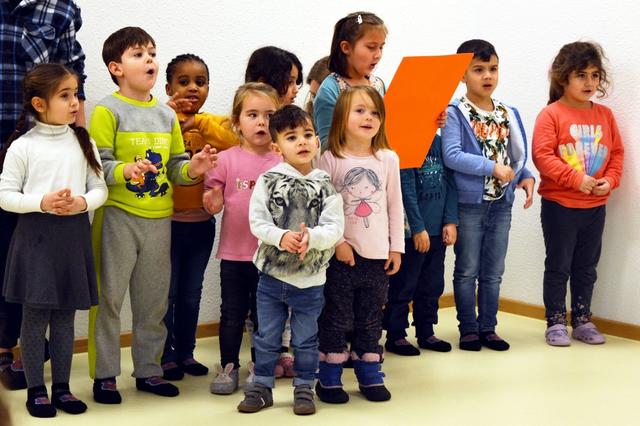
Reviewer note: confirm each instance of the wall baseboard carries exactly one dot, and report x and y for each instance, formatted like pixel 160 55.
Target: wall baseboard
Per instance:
pixel 607 326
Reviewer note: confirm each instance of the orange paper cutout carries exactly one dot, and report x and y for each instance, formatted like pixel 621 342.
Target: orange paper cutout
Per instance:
pixel 420 90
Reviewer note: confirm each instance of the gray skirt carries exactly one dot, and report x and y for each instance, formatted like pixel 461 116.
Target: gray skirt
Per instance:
pixel 50 263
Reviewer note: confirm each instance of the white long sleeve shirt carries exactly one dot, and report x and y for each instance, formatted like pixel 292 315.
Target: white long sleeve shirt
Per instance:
pixel 46 159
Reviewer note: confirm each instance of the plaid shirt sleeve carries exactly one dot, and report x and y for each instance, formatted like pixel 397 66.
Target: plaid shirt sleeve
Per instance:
pixel 51 36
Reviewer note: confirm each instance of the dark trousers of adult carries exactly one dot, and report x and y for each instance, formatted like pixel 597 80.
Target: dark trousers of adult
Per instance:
pixel 354 297
pixel 573 241
pixel 10 313
pixel 238 281
pixel 191 244
pixel 421 280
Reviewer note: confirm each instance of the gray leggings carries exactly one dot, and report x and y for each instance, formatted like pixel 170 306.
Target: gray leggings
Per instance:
pixel 32 337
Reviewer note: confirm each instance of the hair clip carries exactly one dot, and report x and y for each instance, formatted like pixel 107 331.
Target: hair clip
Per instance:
pixel 359 19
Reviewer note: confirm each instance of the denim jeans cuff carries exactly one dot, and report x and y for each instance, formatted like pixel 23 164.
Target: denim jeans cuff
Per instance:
pixel 268 381
pixel 297 381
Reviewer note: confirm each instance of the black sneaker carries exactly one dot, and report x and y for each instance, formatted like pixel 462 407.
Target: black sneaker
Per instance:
pixel 157 385
pixel 172 371
pixel 38 403
pixel 12 376
pixel 193 367
pixel 105 391
pixel 67 402
pixel 256 397
pixel 432 343
pixel 492 341
pixel 401 347
pixel 470 342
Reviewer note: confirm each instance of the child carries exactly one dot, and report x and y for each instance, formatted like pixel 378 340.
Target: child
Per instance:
pixel 431 205
pixel 297 216
pixel 356 49
pixel 21 51
pixel 142 152
pixel 319 71
pixel 231 185
pixel 281 70
pixel 578 149
pixel 278 68
pixel 485 145
pixel 192 228
pixel 366 172
pixel 53 168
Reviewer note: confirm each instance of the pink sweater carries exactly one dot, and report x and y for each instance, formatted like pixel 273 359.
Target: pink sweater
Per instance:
pixel 372 200
pixel 237 172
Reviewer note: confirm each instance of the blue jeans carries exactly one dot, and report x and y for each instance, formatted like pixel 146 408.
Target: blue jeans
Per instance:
pixel 274 298
pixel 483 237
pixel 191 244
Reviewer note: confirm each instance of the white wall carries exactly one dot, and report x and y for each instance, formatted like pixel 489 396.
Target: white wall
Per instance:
pixel 526 35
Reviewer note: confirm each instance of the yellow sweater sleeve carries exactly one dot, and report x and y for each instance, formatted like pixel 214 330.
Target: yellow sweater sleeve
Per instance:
pixel 216 130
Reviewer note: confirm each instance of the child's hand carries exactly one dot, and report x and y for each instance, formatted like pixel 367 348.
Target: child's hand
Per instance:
pixel 394 262
pixel 603 187
pixel 449 234
pixel 137 169
pixel 178 104
pixel 505 174
pixel 587 184
pixel 344 253
pixel 527 184
pixel 188 124
pixel 56 202
pixel 291 242
pixel 304 242
pixel 78 204
pixel 213 200
pixel 421 241
pixel 442 119
pixel 202 161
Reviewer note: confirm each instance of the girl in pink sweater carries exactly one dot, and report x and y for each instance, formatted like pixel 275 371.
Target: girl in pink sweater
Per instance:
pixel 366 172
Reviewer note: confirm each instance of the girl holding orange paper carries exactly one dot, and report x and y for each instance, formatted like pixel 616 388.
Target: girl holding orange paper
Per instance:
pixel 578 150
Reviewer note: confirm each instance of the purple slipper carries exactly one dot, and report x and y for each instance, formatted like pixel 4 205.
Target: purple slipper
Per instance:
pixel 557 335
pixel 588 333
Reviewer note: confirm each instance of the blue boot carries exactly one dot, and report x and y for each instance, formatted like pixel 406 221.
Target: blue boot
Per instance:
pixel 329 386
pixel 370 378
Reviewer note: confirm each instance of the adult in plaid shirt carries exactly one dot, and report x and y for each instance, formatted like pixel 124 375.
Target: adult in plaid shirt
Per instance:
pixel 31 32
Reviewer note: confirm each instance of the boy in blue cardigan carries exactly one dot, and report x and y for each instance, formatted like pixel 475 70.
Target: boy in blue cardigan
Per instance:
pixel 431 206
pixel 485 144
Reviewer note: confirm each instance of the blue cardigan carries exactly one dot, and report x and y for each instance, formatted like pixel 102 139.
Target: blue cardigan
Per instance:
pixel 429 194
pixel 463 154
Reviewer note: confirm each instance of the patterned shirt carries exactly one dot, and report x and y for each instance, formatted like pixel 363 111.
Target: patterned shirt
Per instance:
pixel 492 132
pixel 34 32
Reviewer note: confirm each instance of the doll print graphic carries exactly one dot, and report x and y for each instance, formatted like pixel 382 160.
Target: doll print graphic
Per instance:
pixel 361 190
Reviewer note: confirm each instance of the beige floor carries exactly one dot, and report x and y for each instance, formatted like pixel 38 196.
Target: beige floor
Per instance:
pixel 532 384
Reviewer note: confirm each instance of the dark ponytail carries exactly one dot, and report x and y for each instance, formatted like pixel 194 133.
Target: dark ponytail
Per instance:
pixel 87 148
pixel 19 131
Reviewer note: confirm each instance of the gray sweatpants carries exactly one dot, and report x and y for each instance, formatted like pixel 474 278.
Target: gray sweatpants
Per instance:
pixel 134 253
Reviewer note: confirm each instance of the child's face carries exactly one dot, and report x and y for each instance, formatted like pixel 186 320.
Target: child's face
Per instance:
pixel 292 88
pixel 137 71
pixel 190 81
pixel 253 122
pixel 299 146
pixel 582 85
pixel 363 189
pixel 363 123
pixel 481 78
pixel 63 105
pixel 365 53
